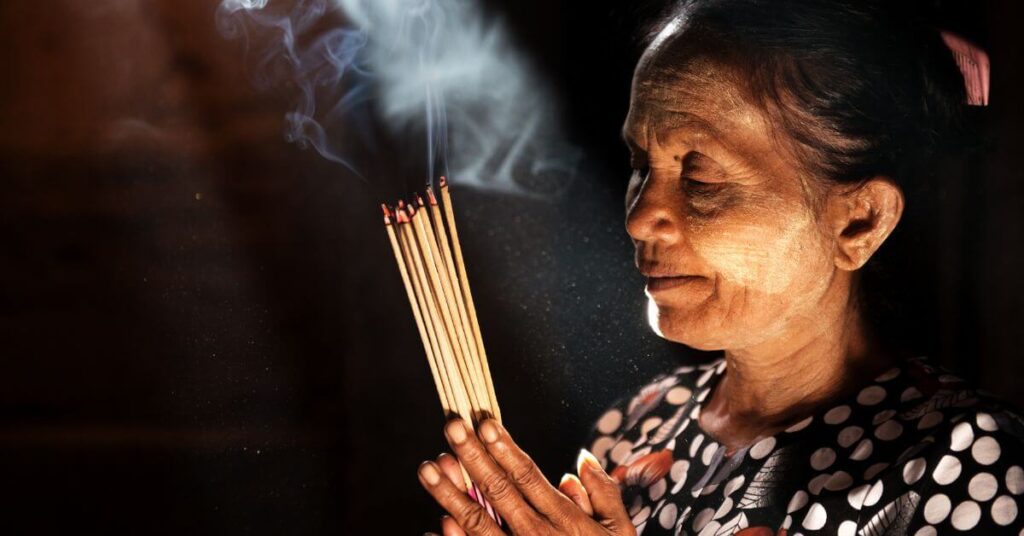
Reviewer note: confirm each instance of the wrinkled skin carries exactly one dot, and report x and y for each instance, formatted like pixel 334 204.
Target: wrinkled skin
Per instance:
pixel 745 252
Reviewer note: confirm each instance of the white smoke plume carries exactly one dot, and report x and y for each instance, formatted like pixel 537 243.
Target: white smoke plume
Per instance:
pixel 436 67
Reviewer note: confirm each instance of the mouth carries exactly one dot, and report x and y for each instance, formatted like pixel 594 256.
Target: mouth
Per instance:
pixel 657 284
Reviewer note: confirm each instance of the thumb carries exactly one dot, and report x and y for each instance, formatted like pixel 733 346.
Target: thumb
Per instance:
pixel 605 495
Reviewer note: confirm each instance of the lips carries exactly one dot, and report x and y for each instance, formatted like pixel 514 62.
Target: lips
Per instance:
pixel 659 284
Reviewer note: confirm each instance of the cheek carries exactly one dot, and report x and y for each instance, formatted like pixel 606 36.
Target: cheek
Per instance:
pixel 764 253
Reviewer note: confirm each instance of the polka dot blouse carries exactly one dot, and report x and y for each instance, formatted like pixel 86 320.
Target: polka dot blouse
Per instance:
pixel 914 452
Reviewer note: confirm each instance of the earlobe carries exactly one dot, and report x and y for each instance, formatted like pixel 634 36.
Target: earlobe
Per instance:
pixel 867 216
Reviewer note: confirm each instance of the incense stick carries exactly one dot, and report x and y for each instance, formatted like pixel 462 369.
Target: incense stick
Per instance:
pixel 426 247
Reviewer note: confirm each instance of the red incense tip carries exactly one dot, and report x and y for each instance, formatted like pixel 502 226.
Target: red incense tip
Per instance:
pixel 419 200
pixel 401 204
pixel 402 217
pixel 431 197
pixel 387 213
pixel 443 182
pixel 411 209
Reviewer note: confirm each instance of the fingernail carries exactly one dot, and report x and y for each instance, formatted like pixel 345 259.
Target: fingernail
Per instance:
pixel 429 473
pixel 567 478
pixel 489 431
pixel 456 431
pixel 588 459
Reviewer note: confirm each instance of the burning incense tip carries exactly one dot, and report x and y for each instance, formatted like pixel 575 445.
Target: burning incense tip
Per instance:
pixel 443 182
pixel 402 217
pixel 401 204
pixel 387 213
pixel 431 197
pixel 419 201
pixel 411 210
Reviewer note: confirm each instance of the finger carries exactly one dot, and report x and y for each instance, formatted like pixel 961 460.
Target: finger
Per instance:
pixel 467 513
pixel 451 468
pixel 450 527
pixel 491 479
pixel 573 488
pixel 525 475
pixel 604 493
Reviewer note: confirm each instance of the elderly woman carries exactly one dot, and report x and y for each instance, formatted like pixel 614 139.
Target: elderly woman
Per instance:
pixel 772 146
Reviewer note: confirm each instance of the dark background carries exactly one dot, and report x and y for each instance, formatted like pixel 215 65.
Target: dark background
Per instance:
pixel 203 330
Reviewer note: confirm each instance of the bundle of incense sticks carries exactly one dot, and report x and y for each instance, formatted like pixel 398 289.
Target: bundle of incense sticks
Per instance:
pixel 429 257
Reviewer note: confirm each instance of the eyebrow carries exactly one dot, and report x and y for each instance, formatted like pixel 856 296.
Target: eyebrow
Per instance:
pixel 682 121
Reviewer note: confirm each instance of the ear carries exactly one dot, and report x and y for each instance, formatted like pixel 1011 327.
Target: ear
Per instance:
pixel 862 218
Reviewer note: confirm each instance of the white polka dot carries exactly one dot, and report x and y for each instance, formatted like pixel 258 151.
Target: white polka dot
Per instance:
pixel 910 393
pixel 636 454
pixel 888 375
pixel 985 450
pixel 650 424
pixel 837 414
pixel 818 482
pixel 703 394
pixel 871 395
pixel 913 470
pixel 762 448
pixel 724 509
pixel 872 472
pixel 1004 510
pixel 705 377
pixel 800 425
pixel 642 516
pixel 863 450
pixel 1015 480
pixel 947 470
pixel 679 470
pixel 815 518
pixel 949 378
pixel 710 529
pixel 620 451
pixel 937 508
pixel 797 502
pixel 926 530
pixel 982 487
pixel 966 515
pixel 986 422
pixel 787 522
pixel 857 495
pixel 838 481
pixel 847 528
pixel 849 436
pixel 883 416
pixel 678 396
pixel 610 422
pixel 874 494
pixel 961 437
pixel 889 430
pixel 696 445
pixel 667 517
pixel 929 419
pixel 600 447
pixel 709 489
pixel 709 453
pixel 657 489
pixel 822 458
pixel 733 485
pixel 702 518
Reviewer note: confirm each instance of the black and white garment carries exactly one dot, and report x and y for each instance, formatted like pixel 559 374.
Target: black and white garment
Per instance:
pixel 914 452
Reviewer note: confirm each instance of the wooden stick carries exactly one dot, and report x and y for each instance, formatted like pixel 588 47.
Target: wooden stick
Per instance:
pixel 464 280
pixel 462 406
pixel 459 318
pixel 445 306
pixel 416 302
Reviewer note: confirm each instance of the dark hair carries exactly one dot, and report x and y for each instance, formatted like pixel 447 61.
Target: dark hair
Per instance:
pixel 860 88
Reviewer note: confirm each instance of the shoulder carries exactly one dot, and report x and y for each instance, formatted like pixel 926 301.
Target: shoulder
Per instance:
pixel 665 391
pixel 963 469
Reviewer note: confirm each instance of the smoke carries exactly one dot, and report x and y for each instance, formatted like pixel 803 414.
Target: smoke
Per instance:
pixel 436 68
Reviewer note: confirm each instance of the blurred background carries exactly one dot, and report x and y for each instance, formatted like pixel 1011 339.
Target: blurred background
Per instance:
pixel 202 327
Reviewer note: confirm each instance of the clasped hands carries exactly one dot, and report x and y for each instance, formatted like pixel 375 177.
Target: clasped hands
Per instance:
pixel 590 505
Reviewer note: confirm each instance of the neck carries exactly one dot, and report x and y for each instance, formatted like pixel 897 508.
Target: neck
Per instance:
pixel 774 384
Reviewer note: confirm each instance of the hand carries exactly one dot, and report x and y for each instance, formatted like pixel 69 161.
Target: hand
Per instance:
pixel 530 505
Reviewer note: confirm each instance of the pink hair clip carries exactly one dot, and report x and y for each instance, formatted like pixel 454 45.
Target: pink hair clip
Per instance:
pixel 973 64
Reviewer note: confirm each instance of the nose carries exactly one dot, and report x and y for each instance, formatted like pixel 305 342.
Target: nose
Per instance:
pixel 649 215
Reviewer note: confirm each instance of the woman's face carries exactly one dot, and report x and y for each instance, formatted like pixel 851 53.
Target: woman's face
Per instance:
pixel 721 216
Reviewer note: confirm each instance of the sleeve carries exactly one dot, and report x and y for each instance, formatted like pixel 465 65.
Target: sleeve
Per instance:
pixel 971 480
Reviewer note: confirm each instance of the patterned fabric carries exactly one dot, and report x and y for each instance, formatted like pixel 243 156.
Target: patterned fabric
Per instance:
pixel 914 452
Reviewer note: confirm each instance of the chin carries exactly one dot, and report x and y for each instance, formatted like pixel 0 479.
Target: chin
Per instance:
pixel 684 327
